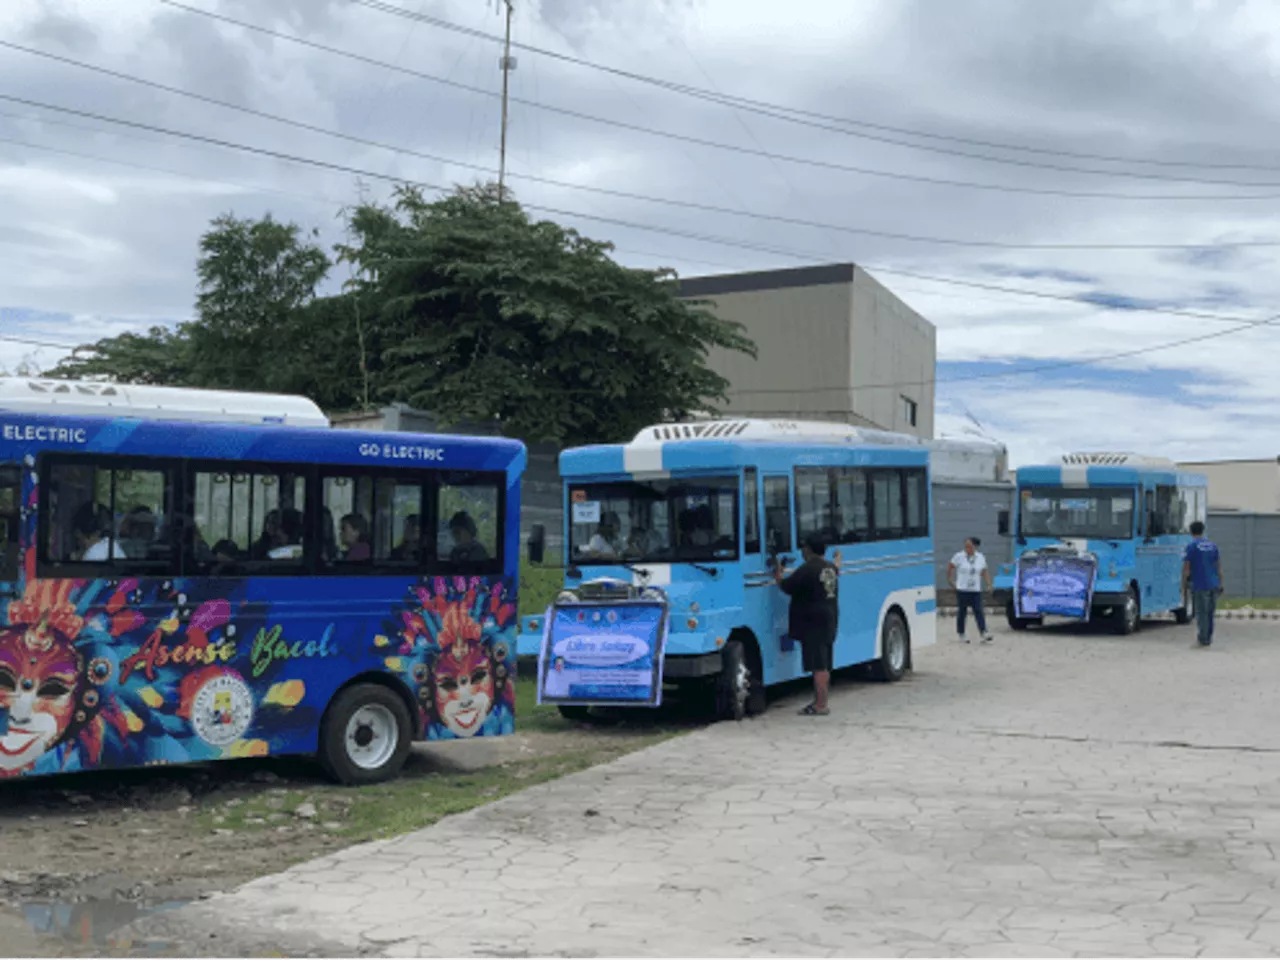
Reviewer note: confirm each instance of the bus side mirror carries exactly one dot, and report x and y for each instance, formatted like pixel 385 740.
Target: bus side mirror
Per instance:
pixel 537 543
pixel 1002 523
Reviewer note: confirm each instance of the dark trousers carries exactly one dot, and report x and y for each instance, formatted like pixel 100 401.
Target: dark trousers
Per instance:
pixel 966 600
pixel 1206 606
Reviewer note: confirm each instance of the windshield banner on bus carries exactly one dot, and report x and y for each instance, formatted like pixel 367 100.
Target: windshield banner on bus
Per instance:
pixel 603 654
pixel 1054 584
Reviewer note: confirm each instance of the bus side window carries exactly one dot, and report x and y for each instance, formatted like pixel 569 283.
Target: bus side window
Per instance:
pixel 777 514
pixel 751 511
pixel 10 498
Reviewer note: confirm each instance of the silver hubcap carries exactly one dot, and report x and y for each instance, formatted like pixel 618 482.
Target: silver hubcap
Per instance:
pixel 1131 610
pixel 372 737
pixel 896 647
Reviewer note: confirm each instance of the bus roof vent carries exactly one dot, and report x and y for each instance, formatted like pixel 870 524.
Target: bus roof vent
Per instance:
pixel 1105 459
pixel 780 431
pixel 24 395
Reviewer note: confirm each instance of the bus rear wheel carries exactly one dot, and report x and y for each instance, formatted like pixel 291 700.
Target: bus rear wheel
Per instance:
pixel 365 737
pixel 895 643
pixel 739 692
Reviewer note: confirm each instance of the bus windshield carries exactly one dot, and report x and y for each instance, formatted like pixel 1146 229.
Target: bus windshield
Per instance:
pixel 678 519
pixel 1105 514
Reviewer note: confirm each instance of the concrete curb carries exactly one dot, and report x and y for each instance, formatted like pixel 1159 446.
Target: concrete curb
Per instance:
pixel 1243 614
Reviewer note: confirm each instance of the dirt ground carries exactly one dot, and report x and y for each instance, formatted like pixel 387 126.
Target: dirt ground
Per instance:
pixel 84 855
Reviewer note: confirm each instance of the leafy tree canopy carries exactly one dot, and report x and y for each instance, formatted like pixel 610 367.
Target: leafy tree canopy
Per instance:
pixel 464 307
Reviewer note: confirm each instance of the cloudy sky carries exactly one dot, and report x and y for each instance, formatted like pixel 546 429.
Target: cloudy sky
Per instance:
pixel 1118 151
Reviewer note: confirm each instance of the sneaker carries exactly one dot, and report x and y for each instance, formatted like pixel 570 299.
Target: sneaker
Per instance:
pixel 962 639
pixel 987 638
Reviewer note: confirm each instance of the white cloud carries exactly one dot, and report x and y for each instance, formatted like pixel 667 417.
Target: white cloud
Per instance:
pixel 1142 78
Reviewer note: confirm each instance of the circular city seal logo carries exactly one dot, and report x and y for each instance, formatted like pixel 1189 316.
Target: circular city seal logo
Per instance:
pixel 222 710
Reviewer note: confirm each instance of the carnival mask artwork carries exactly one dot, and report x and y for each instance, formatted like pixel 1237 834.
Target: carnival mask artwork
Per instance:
pixel 464 681
pixel 40 674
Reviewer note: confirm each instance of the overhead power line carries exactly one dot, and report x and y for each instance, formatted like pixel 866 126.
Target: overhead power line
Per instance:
pixel 732 148
pixel 1120 304
pixel 622 194
pixel 809 117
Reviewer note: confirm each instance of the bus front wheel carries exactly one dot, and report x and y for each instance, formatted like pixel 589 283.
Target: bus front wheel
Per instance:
pixel 1127 616
pixel 1018 623
pixel 365 736
pixel 739 693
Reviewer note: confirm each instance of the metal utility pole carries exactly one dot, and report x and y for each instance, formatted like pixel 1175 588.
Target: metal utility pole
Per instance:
pixel 508 64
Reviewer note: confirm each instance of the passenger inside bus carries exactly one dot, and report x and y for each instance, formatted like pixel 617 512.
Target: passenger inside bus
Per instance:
pixel 287 540
pixel 604 542
pixel 641 543
pixel 269 539
pixel 410 540
pixel 355 538
pixel 91 528
pixel 466 549
pixel 138 533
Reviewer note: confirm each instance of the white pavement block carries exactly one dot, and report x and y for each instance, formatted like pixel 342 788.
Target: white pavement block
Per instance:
pixel 1096 795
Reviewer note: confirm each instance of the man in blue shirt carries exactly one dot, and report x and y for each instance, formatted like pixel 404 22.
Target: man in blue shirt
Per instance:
pixel 1202 575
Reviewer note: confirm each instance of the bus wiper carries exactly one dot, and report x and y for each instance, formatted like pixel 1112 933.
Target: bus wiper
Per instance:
pixel 709 571
pixel 641 572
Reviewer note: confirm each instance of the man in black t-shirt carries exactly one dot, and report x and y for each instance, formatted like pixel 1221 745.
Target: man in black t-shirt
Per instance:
pixel 814 589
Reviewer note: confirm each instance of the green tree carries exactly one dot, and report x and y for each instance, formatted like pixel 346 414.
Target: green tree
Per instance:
pixel 489 315
pixel 253 275
pixel 160 356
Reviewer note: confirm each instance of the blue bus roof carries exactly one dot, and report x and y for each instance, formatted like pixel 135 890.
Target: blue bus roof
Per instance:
pixel 1056 475
pixel 24 434
pixel 706 456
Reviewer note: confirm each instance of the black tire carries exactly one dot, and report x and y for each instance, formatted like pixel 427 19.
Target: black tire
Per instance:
pixel 895 650
pixel 1126 618
pixel 739 693
pixel 574 712
pixel 365 711
pixel 1018 623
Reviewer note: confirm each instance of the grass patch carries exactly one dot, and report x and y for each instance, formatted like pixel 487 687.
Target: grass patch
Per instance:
pixel 415 800
pixel 1257 603
pixel 532 716
pixel 539 586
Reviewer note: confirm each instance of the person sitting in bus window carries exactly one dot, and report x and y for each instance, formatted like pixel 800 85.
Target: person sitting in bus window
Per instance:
pixel 91 527
pixel 641 543
pixel 604 542
pixel 410 540
pixel 138 532
pixel 466 549
pixel 288 537
pixel 269 539
pixel 355 538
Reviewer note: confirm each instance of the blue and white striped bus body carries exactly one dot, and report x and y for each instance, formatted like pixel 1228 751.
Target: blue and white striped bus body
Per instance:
pixel 699 510
pixel 1132 513
pixel 191 576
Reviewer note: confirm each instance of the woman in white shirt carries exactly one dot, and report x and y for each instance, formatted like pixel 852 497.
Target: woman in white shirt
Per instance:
pixel 967 572
pixel 91 527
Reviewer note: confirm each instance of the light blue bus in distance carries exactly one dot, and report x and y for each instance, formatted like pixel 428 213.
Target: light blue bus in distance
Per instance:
pixel 699 511
pixel 1128 516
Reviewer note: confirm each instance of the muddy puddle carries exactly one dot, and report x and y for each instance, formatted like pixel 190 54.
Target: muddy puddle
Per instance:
pixel 79 928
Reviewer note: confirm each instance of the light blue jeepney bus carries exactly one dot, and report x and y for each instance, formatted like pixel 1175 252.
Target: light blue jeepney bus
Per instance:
pixel 1116 523
pixel 697 513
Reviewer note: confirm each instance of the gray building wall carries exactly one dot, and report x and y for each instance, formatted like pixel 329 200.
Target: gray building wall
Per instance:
pixel 1241 485
pixel 1250 546
pixel 825 335
pixel 968 510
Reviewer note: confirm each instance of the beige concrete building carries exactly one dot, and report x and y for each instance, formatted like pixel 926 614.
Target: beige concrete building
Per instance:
pixel 1241 485
pixel 834 344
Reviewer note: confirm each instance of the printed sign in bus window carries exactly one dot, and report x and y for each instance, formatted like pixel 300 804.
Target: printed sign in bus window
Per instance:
pixel 586 512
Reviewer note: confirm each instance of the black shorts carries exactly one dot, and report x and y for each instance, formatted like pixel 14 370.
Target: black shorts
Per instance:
pixel 816 655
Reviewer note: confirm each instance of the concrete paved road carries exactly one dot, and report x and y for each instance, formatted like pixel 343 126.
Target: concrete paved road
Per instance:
pixel 1049 795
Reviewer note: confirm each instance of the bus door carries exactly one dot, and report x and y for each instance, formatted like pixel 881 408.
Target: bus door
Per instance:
pixel 10 528
pixel 1146 556
pixel 767 606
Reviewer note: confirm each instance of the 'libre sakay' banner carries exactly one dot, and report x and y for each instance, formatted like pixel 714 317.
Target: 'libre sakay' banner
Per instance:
pixel 1054 584
pixel 603 654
